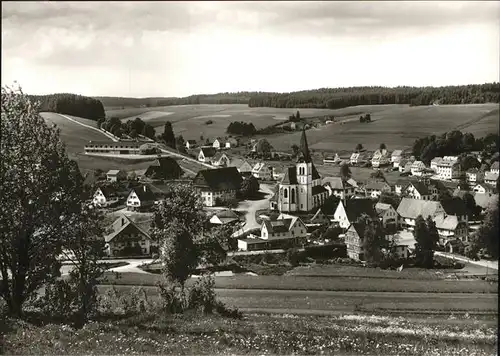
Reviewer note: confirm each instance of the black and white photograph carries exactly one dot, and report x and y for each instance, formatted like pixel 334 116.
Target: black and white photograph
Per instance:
pixel 249 178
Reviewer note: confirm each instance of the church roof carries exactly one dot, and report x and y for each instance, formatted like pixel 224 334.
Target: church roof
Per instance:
pixel 304 155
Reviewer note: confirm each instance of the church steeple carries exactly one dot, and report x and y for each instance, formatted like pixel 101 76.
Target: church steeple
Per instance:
pixel 304 155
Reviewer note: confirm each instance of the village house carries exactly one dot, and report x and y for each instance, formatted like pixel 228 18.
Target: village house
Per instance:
pixel 213 184
pixel 400 186
pixel 319 218
pixel 221 160
pixel 350 211
pixel 495 168
pixel 105 196
pixel 140 199
pixel 115 175
pixel 473 175
pixel 400 251
pixel 490 178
pixel 300 188
pixel 418 168
pixel 231 142
pixel 387 215
pixel 262 171
pixel 128 238
pixel 396 156
pixel 405 166
pixel 116 148
pixel 191 144
pixel 331 159
pixel 283 232
pixel 206 154
pixel 244 168
pixel 421 191
pixel 448 169
pixel 450 227
pixel 434 163
pixel 354 241
pixel 380 158
pixel 224 217
pixel 338 187
pixel 482 188
pixel 409 209
pixel 375 188
pixel 218 144
pixel 359 158
pixel 164 168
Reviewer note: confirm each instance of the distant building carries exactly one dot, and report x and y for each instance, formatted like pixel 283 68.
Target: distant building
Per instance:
pixel 352 210
pixel 206 154
pixel 396 155
pixel 262 171
pixel 300 188
pixel 381 158
pixel 359 158
pixel 231 142
pixel 473 175
pixel 221 160
pixel 331 159
pixel 417 168
pixel 110 147
pixel 374 189
pixel 224 217
pixel 482 188
pixel 218 144
pixel 213 184
pixel 495 168
pixel 244 167
pixel 421 191
pixel 405 166
pixel 105 196
pixel 448 169
pixel 319 218
pixel 140 199
pixel 400 186
pixel 354 242
pixel 387 215
pixel 128 238
pixel 409 209
pixel 164 168
pixel 490 178
pixel 338 187
pixel 115 175
pixel 191 144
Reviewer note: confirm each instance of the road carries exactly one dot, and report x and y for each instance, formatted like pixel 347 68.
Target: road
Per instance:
pixel 251 207
pixel 90 127
pixel 133 266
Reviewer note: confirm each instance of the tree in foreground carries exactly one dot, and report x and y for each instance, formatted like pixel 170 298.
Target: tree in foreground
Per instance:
pixel 487 236
pixel 374 241
pixel 37 196
pixel 427 238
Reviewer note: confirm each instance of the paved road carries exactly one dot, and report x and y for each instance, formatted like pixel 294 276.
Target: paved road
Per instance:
pixel 251 207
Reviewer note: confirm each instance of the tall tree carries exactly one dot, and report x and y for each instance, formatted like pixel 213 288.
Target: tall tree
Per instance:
pixel 345 171
pixel 486 236
pixel 168 135
pixel 295 149
pixel 359 147
pixel 427 238
pixel 37 193
pixel 373 240
pixel 382 146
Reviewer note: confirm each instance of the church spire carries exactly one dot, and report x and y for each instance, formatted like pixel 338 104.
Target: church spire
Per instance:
pixel 304 148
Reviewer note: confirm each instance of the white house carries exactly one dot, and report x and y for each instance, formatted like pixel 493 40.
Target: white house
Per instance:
pixel 331 159
pixel 375 188
pixel 421 191
pixel 214 184
pixel 409 209
pixel 482 188
pixel 490 178
pixel 380 158
pixel 473 175
pixel 348 213
pixel 396 156
pixel 434 163
pixel 405 166
pixel 359 157
pixel 231 142
pixel 417 168
pixel 387 215
pixel 448 169
pixel 129 238
pixel 399 186
pixel 218 144
pixel 206 154
pixel 224 217
pixel 105 196
pixel 140 198
pixel 115 175
pixel 338 187
pixel 450 227
pixel 495 168
pixel 221 160
pixel 262 171
pixel 190 144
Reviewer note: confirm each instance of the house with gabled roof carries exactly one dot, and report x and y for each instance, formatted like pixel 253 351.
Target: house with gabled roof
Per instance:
pixel 338 187
pixel 301 188
pixel 474 175
pixel 190 144
pixel 319 218
pixel 359 157
pixel 409 209
pixel 213 184
pixel 115 175
pixel 396 155
pixel 262 171
pixel 331 159
pixel 380 158
pixel 450 227
pixel 387 215
pixel 418 168
pixel 221 160
pixel 140 199
pixel 164 168
pixel 218 144
pixel 405 165
pixel 129 238
pixel 354 241
pixel 419 190
pixel 206 154
pixel 490 178
pixel 224 217
pixel 482 188
pixel 375 188
pixel 105 196
pixel 495 168
pixel 400 186
pixel 243 166
pixel 350 211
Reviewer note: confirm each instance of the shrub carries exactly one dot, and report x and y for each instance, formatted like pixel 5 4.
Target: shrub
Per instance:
pixel 58 301
pixel 174 301
pixel 209 122
pixel 294 256
pixel 202 295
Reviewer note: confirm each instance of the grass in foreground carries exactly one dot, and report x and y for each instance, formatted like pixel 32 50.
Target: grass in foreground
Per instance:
pixel 256 335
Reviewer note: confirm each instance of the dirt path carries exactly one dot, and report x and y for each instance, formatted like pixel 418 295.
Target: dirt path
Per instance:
pixel 90 127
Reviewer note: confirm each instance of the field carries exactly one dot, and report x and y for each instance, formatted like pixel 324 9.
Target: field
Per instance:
pixel 256 334
pixel 395 125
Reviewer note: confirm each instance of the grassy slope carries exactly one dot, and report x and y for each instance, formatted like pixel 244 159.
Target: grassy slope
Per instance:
pixel 191 334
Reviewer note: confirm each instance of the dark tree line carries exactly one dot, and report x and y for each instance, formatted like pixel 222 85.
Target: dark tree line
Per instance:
pixel 132 128
pixel 71 104
pixel 454 143
pixel 343 97
pixel 241 128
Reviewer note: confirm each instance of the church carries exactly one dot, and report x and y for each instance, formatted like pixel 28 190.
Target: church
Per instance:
pixel 301 189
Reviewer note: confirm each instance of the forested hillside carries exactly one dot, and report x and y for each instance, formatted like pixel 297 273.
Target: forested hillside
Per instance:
pixel 71 104
pixel 343 97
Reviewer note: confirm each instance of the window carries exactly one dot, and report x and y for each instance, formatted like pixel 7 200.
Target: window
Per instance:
pixel 293 195
pixel 285 193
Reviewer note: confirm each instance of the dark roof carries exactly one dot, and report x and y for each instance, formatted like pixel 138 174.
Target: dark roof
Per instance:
pixel 208 151
pixel 318 189
pixel 356 207
pixel 421 187
pixel 304 155
pixel 191 141
pixel 290 176
pixel 124 225
pixel 315 174
pixel 164 167
pixel 278 225
pixel 227 178
pixel 108 191
pixel 144 193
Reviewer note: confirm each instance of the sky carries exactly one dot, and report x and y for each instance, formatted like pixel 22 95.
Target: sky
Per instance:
pixel 165 49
